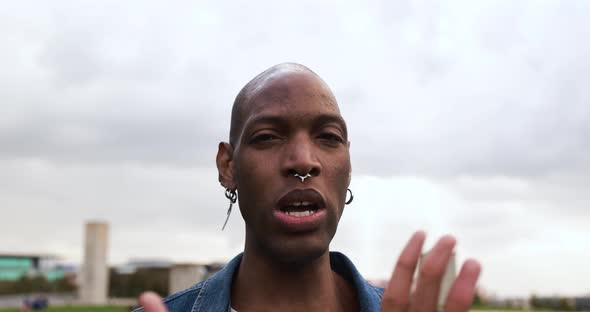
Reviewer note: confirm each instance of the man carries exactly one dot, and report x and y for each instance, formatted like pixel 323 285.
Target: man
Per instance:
pixel 288 159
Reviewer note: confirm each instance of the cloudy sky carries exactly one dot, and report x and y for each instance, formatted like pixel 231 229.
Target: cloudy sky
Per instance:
pixel 465 117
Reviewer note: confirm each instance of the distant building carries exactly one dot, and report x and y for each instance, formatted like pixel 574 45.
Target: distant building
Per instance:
pixel 13 267
pixel 162 276
pixel 136 264
pixel 582 303
pixel 558 303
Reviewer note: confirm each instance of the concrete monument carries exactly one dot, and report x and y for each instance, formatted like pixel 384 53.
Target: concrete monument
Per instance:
pixel 95 279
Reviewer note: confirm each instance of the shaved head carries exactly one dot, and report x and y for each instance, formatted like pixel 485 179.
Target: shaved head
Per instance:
pixel 244 99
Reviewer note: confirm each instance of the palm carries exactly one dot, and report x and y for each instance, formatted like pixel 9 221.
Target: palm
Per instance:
pixel 398 296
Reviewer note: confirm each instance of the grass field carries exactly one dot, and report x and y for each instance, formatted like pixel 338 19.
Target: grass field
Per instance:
pixel 77 309
pixel 125 309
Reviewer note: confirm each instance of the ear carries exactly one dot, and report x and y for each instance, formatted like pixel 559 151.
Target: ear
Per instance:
pixel 224 161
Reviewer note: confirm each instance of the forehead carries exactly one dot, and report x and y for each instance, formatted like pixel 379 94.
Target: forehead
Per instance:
pixel 291 93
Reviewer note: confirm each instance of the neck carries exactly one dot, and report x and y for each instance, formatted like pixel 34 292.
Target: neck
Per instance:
pixel 262 284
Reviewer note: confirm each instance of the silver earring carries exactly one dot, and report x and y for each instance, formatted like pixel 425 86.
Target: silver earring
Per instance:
pixel 297 175
pixel 351 197
pixel 232 195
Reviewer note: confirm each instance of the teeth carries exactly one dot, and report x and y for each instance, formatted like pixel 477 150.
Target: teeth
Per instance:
pixel 297 204
pixel 299 213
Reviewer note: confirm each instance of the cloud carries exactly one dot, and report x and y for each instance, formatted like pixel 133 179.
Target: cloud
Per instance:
pixel 522 242
pixel 146 206
pixel 469 118
pixel 478 89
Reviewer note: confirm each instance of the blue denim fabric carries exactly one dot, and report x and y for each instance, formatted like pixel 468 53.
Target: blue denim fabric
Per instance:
pixel 213 294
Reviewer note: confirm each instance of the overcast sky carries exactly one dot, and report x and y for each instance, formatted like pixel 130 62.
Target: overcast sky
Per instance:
pixel 465 117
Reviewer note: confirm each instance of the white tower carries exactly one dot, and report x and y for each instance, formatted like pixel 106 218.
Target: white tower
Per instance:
pixel 95 276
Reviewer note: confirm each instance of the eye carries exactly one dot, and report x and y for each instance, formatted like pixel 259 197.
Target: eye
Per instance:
pixel 263 137
pixel 331 137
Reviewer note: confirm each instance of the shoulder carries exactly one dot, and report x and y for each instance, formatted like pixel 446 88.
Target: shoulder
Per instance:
pixel 377 291
pixel 182 300
pixel 371 300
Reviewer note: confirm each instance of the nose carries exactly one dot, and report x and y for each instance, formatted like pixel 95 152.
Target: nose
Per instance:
pixel 300 157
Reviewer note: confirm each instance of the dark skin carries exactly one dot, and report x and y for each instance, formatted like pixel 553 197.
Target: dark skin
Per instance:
pixel 288 121
pixel 290 124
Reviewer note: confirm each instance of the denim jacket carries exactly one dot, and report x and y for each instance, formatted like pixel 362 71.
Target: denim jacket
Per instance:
pixel 213 294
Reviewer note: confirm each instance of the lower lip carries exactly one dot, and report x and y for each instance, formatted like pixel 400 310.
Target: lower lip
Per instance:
pixel 300 224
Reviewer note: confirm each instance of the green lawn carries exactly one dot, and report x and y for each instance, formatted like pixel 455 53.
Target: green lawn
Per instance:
pixel 124 309
pixel 77 309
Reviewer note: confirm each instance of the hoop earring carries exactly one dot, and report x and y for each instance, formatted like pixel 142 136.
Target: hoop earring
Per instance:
pixel 351 197
pixel 232 195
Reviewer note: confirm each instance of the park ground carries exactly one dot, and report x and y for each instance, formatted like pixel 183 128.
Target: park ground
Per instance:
pixel 76 309
pixel 126 309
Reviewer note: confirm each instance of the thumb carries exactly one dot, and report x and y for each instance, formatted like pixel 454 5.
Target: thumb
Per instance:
pixel 152 302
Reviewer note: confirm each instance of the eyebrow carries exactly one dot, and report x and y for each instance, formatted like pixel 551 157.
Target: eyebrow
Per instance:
pixel 319 119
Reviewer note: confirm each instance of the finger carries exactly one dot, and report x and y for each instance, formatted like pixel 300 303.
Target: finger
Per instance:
pixel 152 302
pixel 396 297
pixel 463 289
pixel 431 271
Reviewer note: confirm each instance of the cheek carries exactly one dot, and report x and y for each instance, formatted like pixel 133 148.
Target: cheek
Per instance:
pixel 252 176
pixel 337 174
pixel 339 171
pixel 247 168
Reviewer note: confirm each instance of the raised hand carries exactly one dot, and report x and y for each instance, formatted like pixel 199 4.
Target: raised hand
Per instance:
pixel 152 302
pixel 399 297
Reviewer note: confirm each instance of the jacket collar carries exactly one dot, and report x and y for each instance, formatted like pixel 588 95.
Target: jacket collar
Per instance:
pixel 215 293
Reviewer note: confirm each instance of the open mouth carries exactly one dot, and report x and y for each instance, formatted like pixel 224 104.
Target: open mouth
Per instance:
pixel 301 203
pixel 300 209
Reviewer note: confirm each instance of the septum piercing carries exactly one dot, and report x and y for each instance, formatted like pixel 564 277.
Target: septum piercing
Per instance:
pixel 297 175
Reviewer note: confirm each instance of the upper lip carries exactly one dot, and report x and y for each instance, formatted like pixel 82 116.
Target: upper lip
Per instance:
pixel 302 195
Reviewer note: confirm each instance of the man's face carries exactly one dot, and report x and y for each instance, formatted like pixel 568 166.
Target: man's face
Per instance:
pixel 292 124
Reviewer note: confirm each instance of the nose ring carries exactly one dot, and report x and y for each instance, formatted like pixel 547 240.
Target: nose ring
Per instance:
pixel 297 175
